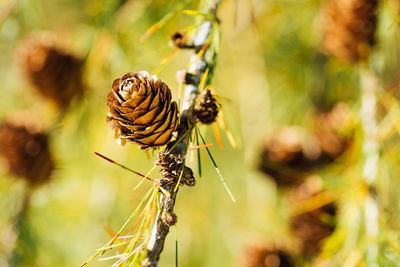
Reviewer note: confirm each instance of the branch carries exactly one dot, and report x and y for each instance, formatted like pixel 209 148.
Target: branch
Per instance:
pixel 196 70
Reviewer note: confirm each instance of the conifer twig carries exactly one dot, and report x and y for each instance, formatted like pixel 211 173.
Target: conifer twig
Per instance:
pixel 197 67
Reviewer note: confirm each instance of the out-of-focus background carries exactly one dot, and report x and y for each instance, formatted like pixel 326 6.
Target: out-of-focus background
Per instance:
pixel 271 72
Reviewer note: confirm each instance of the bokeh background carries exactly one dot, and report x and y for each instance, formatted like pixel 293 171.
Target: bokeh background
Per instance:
pixel 271 72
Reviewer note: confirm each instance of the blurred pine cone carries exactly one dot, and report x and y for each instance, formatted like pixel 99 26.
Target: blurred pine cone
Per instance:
pixel 290 155
pixel 293 153
pixel 26 153
pixel 55 74
pixel 207 108
pixel 266 256
pixel 349 28
pixel 311 228
pixel 311 232
pixel 141 110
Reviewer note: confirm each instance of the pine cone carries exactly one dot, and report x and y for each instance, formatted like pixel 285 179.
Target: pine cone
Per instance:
pixel 207 108
pixel 141 110
pixel 171 168
pixel 55 74
pixel 266 256
pixel 290 155
pixel 26 153
pixel 349 28
pixel 311 232
pixel 313 227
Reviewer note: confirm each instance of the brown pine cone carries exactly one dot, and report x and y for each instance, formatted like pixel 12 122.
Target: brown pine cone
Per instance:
pixel 171 168
pixel 311 228
pixel 311 232
pixel 207 108
pixel 141 110
pixel 266 256
pixel 55 74
pixel 290 155
pixel 349 28
pixel 26 153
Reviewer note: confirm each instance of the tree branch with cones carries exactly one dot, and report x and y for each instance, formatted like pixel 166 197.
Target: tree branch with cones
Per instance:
pixel 142 112
pixel 197 69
